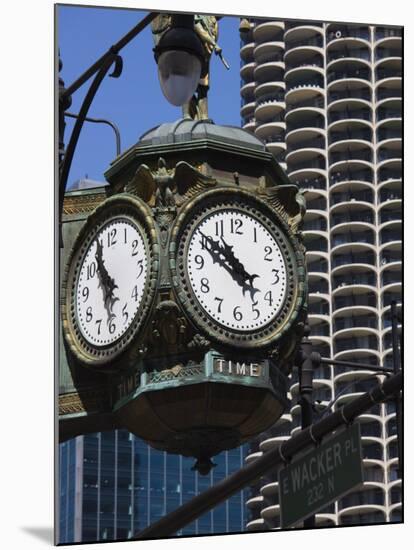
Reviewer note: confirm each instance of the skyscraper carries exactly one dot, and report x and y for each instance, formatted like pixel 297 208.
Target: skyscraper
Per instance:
pixel 326 98
pixel 112 485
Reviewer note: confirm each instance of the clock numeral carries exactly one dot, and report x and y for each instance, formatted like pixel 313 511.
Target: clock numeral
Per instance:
pixel 237 314
pixel 85 293
pixel 125 235
pixel 256 311
pixel 277 278
pixel 99 322
pixel 89 314
pixel 134 247
pixel 135 293
pixel 111 326
pixel 219 228
pixel 268 297
pixel 255 234
pixel 204 242
pixel 91 270
pixel 220 301
pixel 111 237
pixel 235 226
pixel 141 268
pixel 125 313
pixel 268 250
pixel 204 285
pixel 199 260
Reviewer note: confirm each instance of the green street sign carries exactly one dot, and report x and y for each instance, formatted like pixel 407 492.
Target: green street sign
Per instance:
pixel 321 476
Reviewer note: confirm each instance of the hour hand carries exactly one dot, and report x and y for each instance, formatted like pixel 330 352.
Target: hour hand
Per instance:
pixel 106 281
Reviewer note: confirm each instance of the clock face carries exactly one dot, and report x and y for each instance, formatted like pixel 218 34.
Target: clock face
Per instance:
pixel 236 269
pixel 111 281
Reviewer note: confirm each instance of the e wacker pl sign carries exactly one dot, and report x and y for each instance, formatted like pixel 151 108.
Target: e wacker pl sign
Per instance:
pixel 321 476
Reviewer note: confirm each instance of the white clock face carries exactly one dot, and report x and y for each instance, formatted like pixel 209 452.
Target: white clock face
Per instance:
pixel 236 270
pixel 111 282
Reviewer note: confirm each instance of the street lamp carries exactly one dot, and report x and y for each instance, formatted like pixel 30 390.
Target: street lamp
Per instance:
pixel 179 56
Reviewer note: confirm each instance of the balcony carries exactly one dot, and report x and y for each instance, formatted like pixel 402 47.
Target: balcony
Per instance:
pixel 318 287
pixel 357 175
pixel 381 73
pixel 317 102
pixel 390 278
pixel 365 195
pixel 310 183
pixel 318 266
pixel 388 112
pixel 364 257
pixel 361 214
pixel 389 92
pixel 390 256
pixel 348 114
pixel 364 278
pixel 356 154
pixel 339 31
pixel 305 80
pixel 347 93
pixel 316 204
pixel 268 57
pixel 350 133
pixel 311 61
pixel 319 163
pixel 350 237
pixel 390 235
pixel 387 32
pixel 301 122
pixel 385 173
pixel 385 133
pixel 361 519
pixel 318 308
pixel 365 321
pixel 361 73
pixel 316 41
pixel 382 53
pixel 354 53
pixel 318 224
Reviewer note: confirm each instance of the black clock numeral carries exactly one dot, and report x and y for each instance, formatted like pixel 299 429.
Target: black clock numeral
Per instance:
pixel 277 278
pixel 255 234
pixel 135 293
pixel 91 271
pixel 125 235
pixel 256 311
pixel 125 314
pixel 199 260
pixel 98 322
pixel 205 285
pixel 268 250
pixel 141 268
pixel 89 314
pixel 85 293
pixel 203 242
pixel 134 247
pixel 268 297
pixel 111 237
pixel 111 326
pixel 220 301
pixel 219 228
pixel 235 226
pixel 238 315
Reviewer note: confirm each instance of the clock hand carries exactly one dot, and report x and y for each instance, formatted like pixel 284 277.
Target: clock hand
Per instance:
pixel 224 256
pixel 107 282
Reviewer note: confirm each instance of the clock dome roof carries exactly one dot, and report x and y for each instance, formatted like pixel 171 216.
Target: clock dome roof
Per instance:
pixel 186 129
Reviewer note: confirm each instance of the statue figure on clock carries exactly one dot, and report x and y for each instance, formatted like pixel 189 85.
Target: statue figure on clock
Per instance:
pixel 206 27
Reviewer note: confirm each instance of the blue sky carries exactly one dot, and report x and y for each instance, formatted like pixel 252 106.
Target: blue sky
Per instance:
pixel 134 101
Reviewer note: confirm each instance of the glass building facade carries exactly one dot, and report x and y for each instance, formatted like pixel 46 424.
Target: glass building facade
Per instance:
pixel 112 485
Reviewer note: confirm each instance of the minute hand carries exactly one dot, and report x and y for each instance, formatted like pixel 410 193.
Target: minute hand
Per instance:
pixel 223 254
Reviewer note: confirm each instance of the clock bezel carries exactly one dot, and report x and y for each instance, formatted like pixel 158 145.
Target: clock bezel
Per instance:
pixel 134 210
pixel 192 214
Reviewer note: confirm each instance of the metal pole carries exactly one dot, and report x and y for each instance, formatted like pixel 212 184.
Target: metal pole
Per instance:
pixel 305 391
pixel 397 368
pixel 356 366
pixel 103 121
pixel 185 514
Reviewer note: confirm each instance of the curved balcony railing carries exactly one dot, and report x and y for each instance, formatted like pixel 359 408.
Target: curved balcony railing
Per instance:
pixel 309 122
pixel 364 134
pixel 365 321
pixel 271 97
pixel 390 256
pixel 364 257
pixel 315 163
pixel 381 53
pixel 360 519
pixel 389 278
pixel 304 81
pixel 345 114
pixel 359 154
pixel 390 235
pixel 384 93
pixel 356 53
pixel 388 72
pixel 295 24
pixel 354 237
pixel 268 57
pixel 386 174
pixel 312 183
pixel 335 95
pixel 314 143
pixel 353 300
pixel 353 279
pixel 357 175
pixel 366 216
pixel 360 73
pixel 347 32
pixel 386 112
pixel 315 61
pixel 318 287
pixel 364 195
pixel 390 194
pixel 387 32
pixel 274 138
pixel 371 496
pixel 317 102
pixel 316 41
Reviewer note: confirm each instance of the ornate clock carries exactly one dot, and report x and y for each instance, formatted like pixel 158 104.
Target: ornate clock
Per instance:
pixel 110 280
pixel 238 268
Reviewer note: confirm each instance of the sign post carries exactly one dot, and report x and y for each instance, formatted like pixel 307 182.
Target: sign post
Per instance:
pixel 321 476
